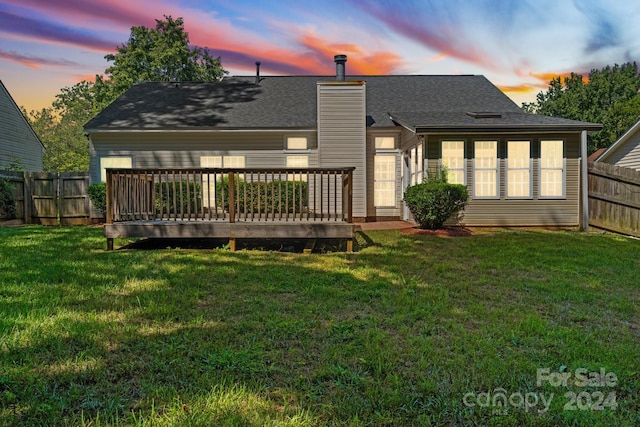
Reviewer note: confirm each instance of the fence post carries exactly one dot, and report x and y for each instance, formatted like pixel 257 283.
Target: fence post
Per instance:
pixel 27 201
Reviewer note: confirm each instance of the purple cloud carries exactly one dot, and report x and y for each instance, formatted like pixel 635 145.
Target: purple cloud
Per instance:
pixel 46 31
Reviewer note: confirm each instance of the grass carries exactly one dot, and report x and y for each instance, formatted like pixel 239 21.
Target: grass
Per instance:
pixel 396 334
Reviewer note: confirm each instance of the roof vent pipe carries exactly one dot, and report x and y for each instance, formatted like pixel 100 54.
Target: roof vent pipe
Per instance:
pixel 257 72
pixel 340 61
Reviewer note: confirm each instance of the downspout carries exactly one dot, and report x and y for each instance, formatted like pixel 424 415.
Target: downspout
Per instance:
pixel 584 183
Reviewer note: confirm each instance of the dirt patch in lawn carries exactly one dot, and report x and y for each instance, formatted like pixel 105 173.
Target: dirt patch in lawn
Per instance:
pixel 443 232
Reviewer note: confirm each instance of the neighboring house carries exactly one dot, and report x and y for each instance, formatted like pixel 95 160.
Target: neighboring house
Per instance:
pixel 625 151
pixel 19 145
pixel 521 169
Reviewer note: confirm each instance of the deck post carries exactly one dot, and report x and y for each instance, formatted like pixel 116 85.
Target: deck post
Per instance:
pixel 109 213
pixel 232 244
pixel 349 245
pixel 109 244
pixel 232 200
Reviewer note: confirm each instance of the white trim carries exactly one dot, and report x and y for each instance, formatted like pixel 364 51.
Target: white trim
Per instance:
pixel 496 169
pixel 508 169
pixel 584 181
pixel 621 141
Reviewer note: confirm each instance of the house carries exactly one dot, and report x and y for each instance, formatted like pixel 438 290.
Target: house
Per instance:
pixel 19 145
pixel 625 151
pixel 521 169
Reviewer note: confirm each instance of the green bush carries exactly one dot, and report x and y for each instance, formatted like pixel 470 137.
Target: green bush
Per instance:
pixel 98 195
pixel 435 201
pixel 7 202
pixel 263 197
pixel 191 196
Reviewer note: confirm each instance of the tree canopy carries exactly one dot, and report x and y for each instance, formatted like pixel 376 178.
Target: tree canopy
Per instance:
pixel 608 96
pixel 162 53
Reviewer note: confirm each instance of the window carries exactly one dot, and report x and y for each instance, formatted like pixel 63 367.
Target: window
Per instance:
pixel 385 142
pixel 211 161
pixel 384 193
pixel 419 164
pixel 233 162
pixel 485 169
pixel 209 188
pixel 297 162
pixel 113 162
pixel 552 169
pixel 297 143
pixel 519 169
pixel 415 163
pixel 453 161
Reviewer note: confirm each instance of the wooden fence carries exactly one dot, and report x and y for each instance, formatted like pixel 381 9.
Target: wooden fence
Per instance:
pixel 50 198
pixel 614 198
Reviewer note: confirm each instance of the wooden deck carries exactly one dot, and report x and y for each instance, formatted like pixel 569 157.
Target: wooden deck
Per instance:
pixel 230 203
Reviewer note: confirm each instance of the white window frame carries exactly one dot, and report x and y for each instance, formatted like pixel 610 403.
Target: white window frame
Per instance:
pixel 528 168
pixel 392 180
pixel 480 168
pixel 463 168
pixel 291 144
pixel 562 169
pixel 104 167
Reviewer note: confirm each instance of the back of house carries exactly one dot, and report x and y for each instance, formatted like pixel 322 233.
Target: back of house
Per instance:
pixel 520 169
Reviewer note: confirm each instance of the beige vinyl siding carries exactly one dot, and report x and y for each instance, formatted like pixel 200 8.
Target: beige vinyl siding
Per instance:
pixel 342 134
pixel 519 212
pixel 184 149
pixel 628 155
pixel 17 139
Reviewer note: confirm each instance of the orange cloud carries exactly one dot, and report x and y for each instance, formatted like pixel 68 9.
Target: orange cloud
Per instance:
pixel 523 88
pixel 547 77
pixel 358 62
pixel 439 57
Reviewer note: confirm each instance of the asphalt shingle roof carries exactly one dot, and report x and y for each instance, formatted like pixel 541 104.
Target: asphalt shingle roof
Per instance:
pixel 290 103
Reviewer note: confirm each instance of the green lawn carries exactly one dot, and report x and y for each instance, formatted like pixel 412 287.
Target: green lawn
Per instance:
pixel 410 330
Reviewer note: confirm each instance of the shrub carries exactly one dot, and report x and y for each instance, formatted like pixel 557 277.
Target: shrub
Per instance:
pixel 435 201
pixel 191 196
pixel 98 195
pixel 263 197
pixel 7 202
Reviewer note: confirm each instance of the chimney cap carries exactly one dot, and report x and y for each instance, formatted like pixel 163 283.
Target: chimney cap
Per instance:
pixel 340 58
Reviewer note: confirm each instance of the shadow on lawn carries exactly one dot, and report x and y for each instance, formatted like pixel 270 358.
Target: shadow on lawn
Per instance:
pixel 128 334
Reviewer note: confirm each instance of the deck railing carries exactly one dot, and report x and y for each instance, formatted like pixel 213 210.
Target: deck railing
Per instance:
pixel 232 195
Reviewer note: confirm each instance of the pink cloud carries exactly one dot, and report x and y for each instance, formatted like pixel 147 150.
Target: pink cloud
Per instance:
pixel 34 61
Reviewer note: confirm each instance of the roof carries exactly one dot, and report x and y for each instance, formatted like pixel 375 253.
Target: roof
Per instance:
pixel 594 156
pixel 619 143
pixel 443 121
pixel 289 102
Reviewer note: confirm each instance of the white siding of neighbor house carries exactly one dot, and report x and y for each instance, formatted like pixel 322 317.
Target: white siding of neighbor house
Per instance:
pixel 628 155
pixel 342 134
pixel 184 149
pixel 17 139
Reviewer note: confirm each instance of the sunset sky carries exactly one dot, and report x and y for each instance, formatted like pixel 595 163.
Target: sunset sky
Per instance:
pixel 517 44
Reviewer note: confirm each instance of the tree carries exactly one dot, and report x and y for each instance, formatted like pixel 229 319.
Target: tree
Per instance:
pixel 609 96
pixel 162 53
pixel 66 146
